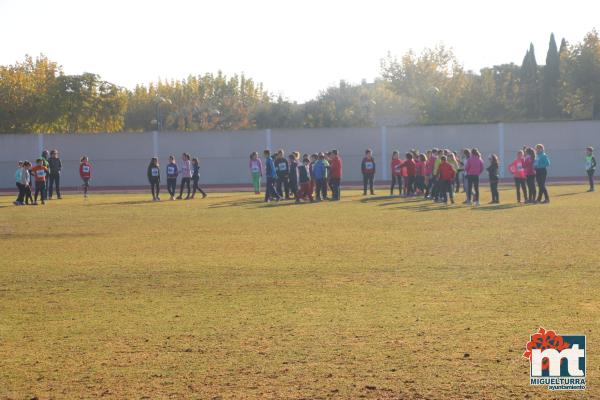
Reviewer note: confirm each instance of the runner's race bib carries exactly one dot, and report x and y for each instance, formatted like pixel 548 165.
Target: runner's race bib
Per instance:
pixel 40 173
pixel 171 170
pixel 398 167
pixel 154 171
pixel 368 165
pixel 255 168
pixel 282 167
pixel 86 169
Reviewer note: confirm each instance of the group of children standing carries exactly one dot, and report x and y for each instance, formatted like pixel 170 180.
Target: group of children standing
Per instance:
pixel 306 178
pixel 43 178
pixel 189 169
pixel 436 174
pixel 40 180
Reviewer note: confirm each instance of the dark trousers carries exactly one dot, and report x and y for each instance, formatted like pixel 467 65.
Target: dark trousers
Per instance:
pixel 293 185
pixel 410 184
pixel 270 191
pixel 321 191
pixel 540 177
pixel 368 181
pixel 28 196
pixel 435 188
pixel 155 188
pixel 54 182
pixel 531 187
pixel 590 174
pixel 520 185
pixel 396 178
pixel 197 187
pixel 472 184
pixel 420 183
pixel 172 186
pixel 185 182
pixel 283 185
pixel 446 190
pixel 335 188
pixel 494 190
pixel 21 195
pixel 431 186
pixel 40 188
pixel 86 185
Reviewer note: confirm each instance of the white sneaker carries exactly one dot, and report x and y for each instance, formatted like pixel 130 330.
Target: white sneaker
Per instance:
pixel 476 203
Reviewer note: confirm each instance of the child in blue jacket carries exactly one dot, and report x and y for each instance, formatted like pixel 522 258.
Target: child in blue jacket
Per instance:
pixel 320 176
pixel 271 174
pixel 541 164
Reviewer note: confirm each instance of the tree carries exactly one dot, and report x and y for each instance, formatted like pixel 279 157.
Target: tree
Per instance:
pixel 529 86
pixel 432 83
pixel 581 78
pixel 550 107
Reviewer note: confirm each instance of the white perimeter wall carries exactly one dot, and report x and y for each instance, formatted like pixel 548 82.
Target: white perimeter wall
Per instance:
pixel 120 159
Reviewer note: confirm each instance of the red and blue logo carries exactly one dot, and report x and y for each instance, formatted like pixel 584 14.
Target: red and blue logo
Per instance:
pixel 557 361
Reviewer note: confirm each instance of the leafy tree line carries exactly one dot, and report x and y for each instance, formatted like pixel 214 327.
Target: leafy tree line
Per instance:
pixel 437 89
pixel 431 87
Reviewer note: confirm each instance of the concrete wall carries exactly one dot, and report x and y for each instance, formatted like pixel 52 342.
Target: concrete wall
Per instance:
pixel 121 159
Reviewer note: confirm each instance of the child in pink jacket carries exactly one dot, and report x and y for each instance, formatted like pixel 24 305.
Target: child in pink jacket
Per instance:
pixel 473 168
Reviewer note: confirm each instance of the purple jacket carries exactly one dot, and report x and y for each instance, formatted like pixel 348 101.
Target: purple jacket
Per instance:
pixel 256 166
pixel 474 166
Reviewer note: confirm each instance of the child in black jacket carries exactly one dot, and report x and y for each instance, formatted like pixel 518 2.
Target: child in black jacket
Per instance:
pixel 494 179
pixel 154 178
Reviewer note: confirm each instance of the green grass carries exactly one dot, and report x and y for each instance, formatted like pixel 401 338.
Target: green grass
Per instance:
pixel 230 298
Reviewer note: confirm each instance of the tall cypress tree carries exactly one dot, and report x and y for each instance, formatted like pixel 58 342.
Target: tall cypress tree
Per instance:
pixel 529 87
pixel 550 82
pixel 563 46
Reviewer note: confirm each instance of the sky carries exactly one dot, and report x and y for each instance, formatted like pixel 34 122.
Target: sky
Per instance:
pixel 294 47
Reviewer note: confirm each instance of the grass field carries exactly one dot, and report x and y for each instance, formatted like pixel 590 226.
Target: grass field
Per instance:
pixel 379 298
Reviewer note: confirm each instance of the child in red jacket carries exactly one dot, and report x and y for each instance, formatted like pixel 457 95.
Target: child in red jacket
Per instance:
pixel 420 178
pixel 396 167
pixel 335 177
pixel 446 175
pixel 411 171
pixel 85 172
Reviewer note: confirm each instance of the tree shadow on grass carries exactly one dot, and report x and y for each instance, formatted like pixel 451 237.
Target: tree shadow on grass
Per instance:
pixel 397 200
pixel 247 203
pixel 55 235
pixel 570 194
pixel 373 199
pixel 425 206
pixel 123 203
pixel 496 207
pixel 260 203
